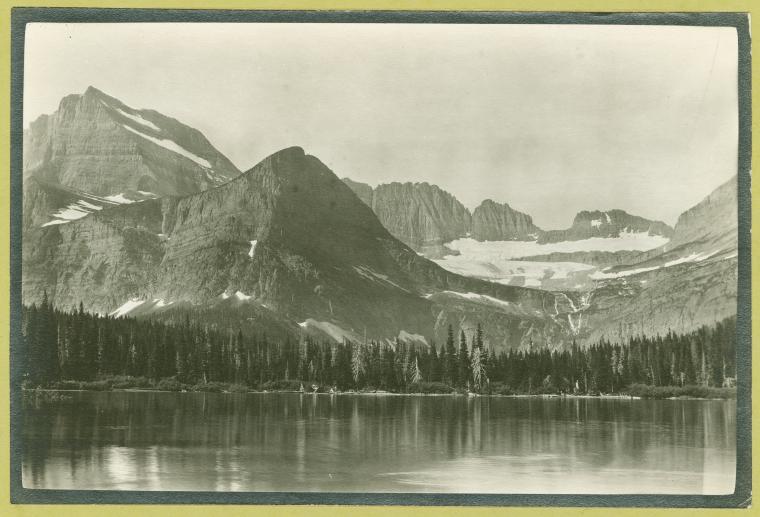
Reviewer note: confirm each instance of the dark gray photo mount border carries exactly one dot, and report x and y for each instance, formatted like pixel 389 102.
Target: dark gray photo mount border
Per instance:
pixel 742 494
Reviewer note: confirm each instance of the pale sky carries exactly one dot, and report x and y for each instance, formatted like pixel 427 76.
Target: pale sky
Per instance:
pixel 552 119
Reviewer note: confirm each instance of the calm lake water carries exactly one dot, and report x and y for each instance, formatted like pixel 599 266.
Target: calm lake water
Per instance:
pixel 366 443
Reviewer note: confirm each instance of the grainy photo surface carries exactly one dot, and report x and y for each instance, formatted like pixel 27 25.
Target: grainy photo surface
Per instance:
pixel 336 257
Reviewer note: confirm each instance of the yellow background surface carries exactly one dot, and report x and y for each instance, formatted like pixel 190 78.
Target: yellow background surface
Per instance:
pixel 6 509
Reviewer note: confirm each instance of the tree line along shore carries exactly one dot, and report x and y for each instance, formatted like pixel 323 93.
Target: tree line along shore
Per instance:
pixel 75 350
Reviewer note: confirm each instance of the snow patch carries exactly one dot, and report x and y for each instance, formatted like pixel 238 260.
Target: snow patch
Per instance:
pixel 127 307
pixel 596 223
pixel 627 241
pixel 211 176
pixel 160 302
pixel 600 275
pixel 119 198
pixel 495 260
pixel 172 146
pixel 85 204
pixel 407 336
pixel 334 331
pixel 694 257
pixel 134 118
pixel 377 277
pixel 518 272
pixel 56 221
pixel 139 120
pixel 224 295
pixel 241 296
pixel 480 298
pixel 72 212
pixel 253 248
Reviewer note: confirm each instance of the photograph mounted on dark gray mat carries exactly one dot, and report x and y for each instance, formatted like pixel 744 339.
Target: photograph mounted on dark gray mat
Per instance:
pixel 397 258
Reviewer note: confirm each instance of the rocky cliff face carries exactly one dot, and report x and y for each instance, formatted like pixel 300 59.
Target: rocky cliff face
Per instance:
pixel 425 217
pixel 605 224
pixel 286 243
pixel 689 282
pixel 712 222
pixel 362 190
pixel 421 215
pixel 98 260
pixel 679 297
pixel 96 144
pixel 493 221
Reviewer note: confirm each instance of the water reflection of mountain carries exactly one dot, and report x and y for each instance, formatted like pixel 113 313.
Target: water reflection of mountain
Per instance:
pixel 292 442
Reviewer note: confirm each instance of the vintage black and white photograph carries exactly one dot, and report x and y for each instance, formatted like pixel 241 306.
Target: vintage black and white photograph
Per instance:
pixel 441 258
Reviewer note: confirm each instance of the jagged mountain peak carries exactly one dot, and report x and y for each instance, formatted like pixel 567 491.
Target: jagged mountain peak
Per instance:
pixel 606 223
pixel 90 97
pixel 491 202
pixel 93 91
pixel 420 214
pixel 494 221
pixel 97 145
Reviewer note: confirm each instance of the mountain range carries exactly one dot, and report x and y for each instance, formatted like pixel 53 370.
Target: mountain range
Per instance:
pixel 426 217
pixel 133 213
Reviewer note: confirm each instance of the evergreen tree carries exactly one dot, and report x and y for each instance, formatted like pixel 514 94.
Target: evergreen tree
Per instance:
pixel 478 372
pixel 463 361
pixel 450 359
pixel 416 374
pixel 479 337
pixel 357 364
pixel 74 345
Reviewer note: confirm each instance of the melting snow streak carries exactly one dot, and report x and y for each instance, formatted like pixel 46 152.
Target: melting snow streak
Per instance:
pixel 73 212
pixel 139 120
pixel 119 198
pixel 241 296
pixel 128 307
pixel 171 146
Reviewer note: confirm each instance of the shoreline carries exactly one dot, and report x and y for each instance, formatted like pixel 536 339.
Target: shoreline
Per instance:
pixel 379 394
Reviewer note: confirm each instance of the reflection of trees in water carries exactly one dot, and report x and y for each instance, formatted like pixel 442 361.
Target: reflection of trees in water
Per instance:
pixel 249 434
pixel 35 457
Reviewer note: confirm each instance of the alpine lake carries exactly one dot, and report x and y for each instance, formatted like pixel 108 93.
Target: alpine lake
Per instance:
pixel 291 442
